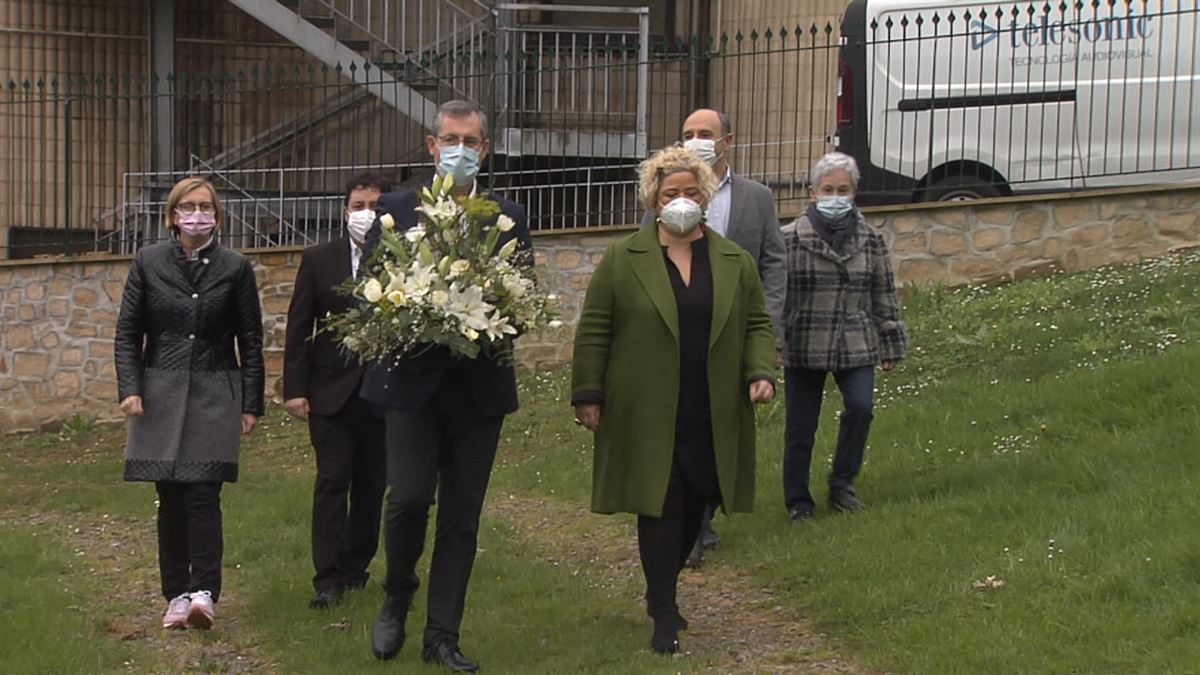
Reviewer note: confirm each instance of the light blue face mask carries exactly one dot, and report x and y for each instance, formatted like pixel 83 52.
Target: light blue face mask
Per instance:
pixel 459 161
pixel 835 207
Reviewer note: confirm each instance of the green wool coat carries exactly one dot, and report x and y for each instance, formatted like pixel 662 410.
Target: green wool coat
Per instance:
pixel 627 350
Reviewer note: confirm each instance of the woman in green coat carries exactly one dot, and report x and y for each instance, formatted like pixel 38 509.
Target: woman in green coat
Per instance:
pixel 674 346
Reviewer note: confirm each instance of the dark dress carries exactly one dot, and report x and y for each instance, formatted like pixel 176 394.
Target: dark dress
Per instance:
pixel 695 459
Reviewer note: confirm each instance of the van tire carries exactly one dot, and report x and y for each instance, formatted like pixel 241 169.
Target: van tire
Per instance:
pixel 961 188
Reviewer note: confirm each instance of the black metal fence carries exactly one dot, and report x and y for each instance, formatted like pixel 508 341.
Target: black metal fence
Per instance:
pixel 941 105
pixel 572 112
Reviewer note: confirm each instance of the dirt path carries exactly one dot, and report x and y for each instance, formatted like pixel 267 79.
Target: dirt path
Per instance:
pixel 110 566
pixel 737 626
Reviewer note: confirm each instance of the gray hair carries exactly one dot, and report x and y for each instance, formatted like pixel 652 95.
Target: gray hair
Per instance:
pixel 834 161
pixel 726 125
pixel 459 109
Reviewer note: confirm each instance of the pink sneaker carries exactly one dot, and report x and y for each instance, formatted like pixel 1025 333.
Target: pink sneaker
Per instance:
pixel 200 612
pixel 177 612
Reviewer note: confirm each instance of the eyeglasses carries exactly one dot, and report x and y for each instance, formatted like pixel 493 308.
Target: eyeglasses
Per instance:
pixel 188 208
pixel 450 140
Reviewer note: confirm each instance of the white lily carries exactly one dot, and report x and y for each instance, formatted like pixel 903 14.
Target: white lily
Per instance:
pixel 396 297
pixel 414 234
pixel 498 327
pixel 396 281
pixel 469 307
pixel 420 278
pixel 443 211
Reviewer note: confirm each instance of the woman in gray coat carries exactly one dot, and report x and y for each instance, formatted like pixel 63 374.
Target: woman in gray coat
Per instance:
pixel 188 393
pixel 841 316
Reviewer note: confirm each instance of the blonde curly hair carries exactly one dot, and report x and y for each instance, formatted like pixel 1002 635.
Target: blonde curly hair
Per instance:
pixel 675 159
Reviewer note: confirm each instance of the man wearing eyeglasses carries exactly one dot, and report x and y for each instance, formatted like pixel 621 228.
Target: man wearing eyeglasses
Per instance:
pixel 443 417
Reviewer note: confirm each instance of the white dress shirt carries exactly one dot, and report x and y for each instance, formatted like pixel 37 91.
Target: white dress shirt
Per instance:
pixel 717 214
pixel 355 259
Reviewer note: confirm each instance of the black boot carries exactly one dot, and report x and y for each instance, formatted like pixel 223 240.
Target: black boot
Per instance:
pixel 665 639
pixel 387 635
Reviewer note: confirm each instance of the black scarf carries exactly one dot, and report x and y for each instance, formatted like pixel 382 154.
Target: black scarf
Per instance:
pixel 832 232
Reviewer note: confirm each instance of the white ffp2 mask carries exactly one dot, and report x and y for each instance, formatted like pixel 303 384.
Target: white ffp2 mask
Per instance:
pixel 681 215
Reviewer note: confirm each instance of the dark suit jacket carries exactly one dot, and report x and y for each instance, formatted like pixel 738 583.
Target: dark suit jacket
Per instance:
pixel 413 381
pixel 316 367
pixel 754 226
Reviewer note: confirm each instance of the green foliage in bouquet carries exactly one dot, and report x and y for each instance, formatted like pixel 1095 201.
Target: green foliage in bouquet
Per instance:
pixel 443 282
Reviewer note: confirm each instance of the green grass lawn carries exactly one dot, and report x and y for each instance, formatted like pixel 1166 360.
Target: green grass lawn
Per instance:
pixel 1042 434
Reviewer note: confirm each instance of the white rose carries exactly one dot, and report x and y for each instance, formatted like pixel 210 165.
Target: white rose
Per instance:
pixel 387 222
pixel 555 323
pixel 512 283
pixel 439 298
pixel 504 223
pixel 459 268
pixel 372 291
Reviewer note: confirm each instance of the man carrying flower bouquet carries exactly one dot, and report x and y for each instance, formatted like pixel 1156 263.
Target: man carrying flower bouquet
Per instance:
pixel 443 407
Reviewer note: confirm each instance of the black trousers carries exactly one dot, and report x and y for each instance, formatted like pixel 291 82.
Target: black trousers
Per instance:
pixel 190 542
pixel 664 543
pixel 348 495
pixel 450 452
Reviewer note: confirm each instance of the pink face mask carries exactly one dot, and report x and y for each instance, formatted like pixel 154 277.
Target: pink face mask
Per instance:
pixel 196 224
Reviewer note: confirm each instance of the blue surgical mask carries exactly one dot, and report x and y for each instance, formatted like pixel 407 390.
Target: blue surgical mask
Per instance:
pixel 835 207
pixel 459 161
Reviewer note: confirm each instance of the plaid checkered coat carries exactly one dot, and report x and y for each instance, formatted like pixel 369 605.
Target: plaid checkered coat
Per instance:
pixel 841 311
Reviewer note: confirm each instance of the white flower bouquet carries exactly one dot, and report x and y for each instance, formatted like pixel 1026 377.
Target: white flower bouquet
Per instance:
pixel 443 282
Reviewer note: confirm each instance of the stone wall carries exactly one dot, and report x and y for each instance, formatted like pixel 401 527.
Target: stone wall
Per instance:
pixel 997 240
pixel 58 317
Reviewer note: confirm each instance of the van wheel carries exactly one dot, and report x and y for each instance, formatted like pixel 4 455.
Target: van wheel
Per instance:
pixel 960 189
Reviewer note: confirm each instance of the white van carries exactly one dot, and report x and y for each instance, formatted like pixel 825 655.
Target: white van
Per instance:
pixel 946 99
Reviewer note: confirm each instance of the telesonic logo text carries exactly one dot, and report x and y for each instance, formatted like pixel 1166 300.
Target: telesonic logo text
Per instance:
pixel 1042 32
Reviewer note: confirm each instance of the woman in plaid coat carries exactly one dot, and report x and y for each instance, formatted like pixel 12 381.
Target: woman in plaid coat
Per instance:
pixel 842 317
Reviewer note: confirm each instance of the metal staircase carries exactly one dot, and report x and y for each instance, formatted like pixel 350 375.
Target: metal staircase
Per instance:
pixel 359 38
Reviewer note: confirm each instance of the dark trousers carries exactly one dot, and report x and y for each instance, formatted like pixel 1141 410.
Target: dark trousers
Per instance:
pixel 450 451
pixel 664 544
pixel 348 495
pixel 804 389
pixel 190 543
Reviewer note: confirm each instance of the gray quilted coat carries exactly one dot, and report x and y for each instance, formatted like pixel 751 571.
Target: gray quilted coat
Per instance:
pixel 179 324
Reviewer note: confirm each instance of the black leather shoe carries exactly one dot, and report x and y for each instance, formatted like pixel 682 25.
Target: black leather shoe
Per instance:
pixel 448 655
pixel 387 635
pixel 326 598
pixel 844 500
pixel 696 557
pixel 800 516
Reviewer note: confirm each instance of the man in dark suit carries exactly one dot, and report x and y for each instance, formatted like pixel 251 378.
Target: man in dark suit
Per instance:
pixel 320 384
pixel 742 211
pixel 443 417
